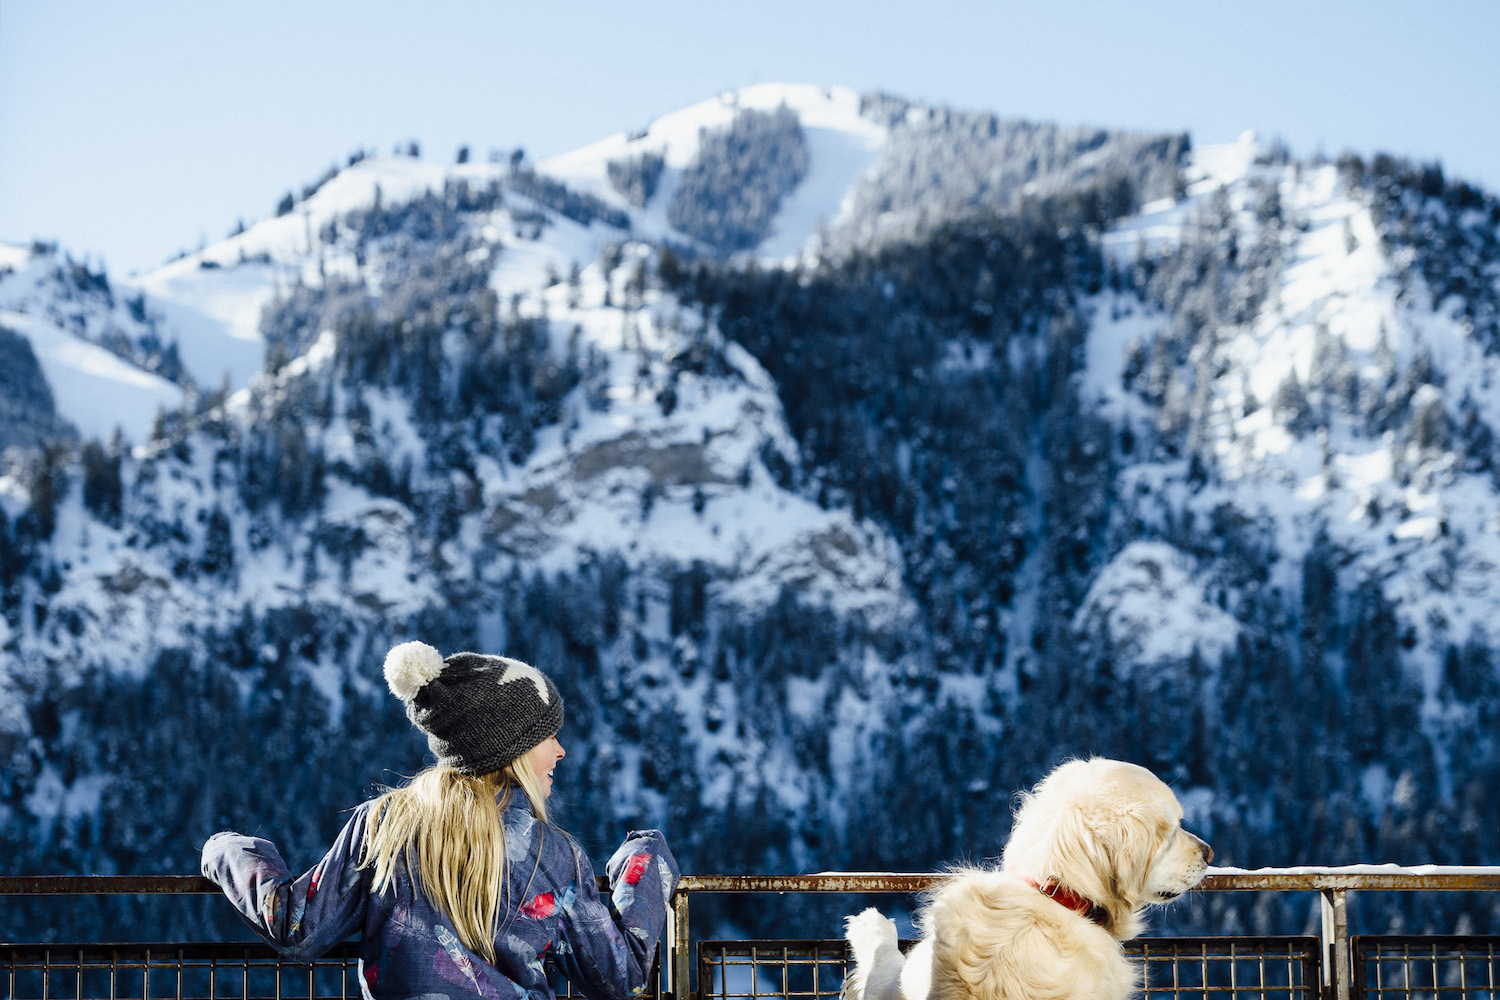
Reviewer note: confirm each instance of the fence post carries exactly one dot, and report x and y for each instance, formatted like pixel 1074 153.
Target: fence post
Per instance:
pixel 679 958
pixel 1337 966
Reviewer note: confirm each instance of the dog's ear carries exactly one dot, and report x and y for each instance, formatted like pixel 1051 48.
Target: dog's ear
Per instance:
pixel 1139 834
pixel 1069 847
pixel 1109 852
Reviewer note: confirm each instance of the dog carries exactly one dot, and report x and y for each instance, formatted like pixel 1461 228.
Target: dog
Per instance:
pixel 1092 846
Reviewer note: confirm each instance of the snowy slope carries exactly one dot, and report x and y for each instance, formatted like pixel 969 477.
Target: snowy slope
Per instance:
pixel 499 423
pixel 842 146
pixel 582 488
pixel 660 490
pixel 1334 285
pixel 93 388
pixel 98 391
pixel 212 299
pixel 1405 512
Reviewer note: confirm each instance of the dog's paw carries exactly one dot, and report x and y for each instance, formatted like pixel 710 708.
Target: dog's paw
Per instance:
pixel 867 931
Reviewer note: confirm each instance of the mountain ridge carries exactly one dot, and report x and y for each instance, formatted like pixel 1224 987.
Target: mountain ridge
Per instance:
pixel 1160 451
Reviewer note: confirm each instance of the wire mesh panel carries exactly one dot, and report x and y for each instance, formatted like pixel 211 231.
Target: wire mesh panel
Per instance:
pixel 1425 967
pixel 178 971
pixel 1222 968
pixel 771 968
pixel 1281 968
pixel 192 972
pixel 566 990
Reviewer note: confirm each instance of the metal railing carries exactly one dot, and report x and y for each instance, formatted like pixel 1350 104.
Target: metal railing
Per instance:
pixel 1426 967
pixel 1335 960
pixel 1243 968
pixel 216 971
pixel 1237 968
pixel 157 971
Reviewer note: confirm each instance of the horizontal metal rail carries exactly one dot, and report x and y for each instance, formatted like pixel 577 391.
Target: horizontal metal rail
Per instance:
pixel 1427 878
pixel 1370 877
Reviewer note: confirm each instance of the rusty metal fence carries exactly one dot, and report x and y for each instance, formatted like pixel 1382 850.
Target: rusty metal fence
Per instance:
pixel 1426 967
pixel 1227 968
pixel 1332 973
pixel 183 971
pixel 157 971
pixel 1331 966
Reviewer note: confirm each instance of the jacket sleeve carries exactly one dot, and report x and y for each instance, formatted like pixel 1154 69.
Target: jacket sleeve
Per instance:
pixel 302 918
pixel 608 946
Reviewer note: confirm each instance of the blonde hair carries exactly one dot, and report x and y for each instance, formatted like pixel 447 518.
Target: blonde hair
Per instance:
pixel 447 825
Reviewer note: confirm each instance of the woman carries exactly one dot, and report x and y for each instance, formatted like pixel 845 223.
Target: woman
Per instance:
pixel 457 883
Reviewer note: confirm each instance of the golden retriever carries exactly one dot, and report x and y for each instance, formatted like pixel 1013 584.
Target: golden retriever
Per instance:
pixel 1092 845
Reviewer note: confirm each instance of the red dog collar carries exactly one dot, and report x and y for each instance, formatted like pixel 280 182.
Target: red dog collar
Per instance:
pixel 1059 893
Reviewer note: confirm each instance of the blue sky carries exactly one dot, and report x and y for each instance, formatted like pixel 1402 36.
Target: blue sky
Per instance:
pixel 132 130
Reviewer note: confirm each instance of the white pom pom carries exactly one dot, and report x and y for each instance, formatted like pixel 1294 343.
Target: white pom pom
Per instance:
pixel 409 666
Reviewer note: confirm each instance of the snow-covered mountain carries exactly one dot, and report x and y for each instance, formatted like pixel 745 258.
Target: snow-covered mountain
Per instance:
pixel 557 214
pixel 104 361
pixel 848 461
pixel 1344 403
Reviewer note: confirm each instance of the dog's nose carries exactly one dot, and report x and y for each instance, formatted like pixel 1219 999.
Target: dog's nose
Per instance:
pixel 1208 852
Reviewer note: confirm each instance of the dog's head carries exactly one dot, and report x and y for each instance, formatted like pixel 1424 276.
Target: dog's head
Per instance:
pixel 1111 832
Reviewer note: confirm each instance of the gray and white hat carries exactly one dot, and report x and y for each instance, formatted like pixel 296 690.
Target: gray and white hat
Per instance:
pixel 479 712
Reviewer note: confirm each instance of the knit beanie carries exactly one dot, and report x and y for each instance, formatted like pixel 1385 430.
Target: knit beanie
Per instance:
pixel 479 712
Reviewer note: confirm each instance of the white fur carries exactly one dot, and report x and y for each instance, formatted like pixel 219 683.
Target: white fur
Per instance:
pixel 1107 830
pixel 409 666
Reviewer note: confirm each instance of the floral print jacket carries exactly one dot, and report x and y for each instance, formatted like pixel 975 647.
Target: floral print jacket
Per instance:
pixel 409 947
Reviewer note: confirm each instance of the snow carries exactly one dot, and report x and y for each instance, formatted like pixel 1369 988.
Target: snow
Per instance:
pixel 1408 517
pixel 1120 322
pixel 1160 223
pixel 842 145
pixel 14 256
pixel 215 315
pixel 294 237
pixel 664 491
pixel 1149 606
pixel 211 301
pixel 1387 868
pixel 586 488
pixel 93 389
pixel 525 266
pixel 130 602
pixel 1222 164
pixel 668 490
pixel 624 480
pixel 51 800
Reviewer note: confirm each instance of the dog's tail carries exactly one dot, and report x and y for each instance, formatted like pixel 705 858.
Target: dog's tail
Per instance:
pixel 853 987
